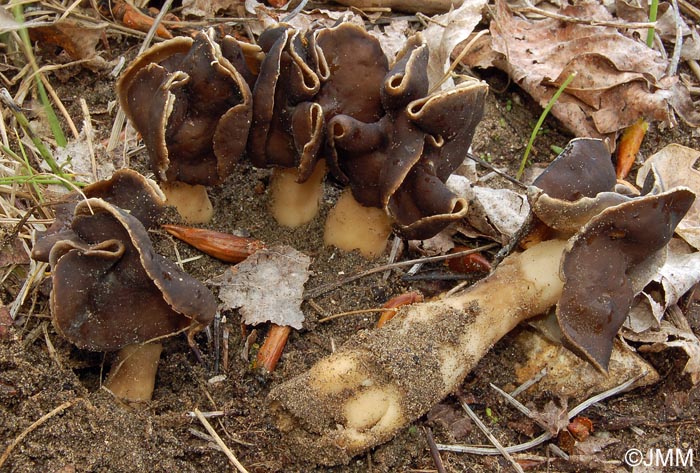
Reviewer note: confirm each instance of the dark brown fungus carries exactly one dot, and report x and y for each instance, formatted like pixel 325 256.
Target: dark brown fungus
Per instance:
pixel 191 106
pixel 599 265
pixel 401 162
pixel 576 186
pixel 583 169
pixel 126 189
pixel 287 126
pixel 111 291
pixel 352 67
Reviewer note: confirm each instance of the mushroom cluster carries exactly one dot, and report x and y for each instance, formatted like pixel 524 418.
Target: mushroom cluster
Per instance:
pixel 328 95
pixel 110 290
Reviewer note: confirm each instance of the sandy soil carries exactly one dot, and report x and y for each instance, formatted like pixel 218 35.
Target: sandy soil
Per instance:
pixel 40 372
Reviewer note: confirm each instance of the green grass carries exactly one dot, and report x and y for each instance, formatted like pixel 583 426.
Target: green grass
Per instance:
pixel 653 11
pixel 56 130
pixel 538 125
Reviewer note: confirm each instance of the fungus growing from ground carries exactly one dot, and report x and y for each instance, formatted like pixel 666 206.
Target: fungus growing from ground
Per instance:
pixel 111 291
pixel 401 161
pixel 381 380
pixel 304 81
pixel 193 109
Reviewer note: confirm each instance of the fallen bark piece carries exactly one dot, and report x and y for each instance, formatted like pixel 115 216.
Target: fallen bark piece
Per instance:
pixel 380 381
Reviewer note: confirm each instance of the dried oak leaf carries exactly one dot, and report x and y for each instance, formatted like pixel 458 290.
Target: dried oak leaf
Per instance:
pixel 614 72
pixel 76 38
pixel 267 287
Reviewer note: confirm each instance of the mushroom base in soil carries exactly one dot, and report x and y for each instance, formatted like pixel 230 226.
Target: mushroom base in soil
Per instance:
pixel 352 226
pixel 381 380
pixel 191 201
pixel 133 373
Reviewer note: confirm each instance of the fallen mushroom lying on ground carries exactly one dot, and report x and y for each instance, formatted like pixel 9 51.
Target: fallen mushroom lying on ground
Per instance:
pixel 381 380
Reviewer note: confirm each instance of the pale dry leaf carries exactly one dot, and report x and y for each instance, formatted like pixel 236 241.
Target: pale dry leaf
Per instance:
pixel 268 286
pixel 675 337
pixel 392 37
pixel 593 445
pixel 8 22
pixel 498 213
pixel 678 275
pixel 570 376
pixel 448 30
pixel 614 72
pixel 210 8
pixel 674 167
pixel 78 157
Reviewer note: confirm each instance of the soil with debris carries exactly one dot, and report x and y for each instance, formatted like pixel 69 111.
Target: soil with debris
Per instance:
pixel 39 372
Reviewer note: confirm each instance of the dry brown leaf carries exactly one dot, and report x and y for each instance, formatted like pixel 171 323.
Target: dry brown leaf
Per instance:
pixel 674 167
pixel 678 275
pixel 673 333
pixel 446 31
pixel 13 252
pixel 210 8
pixel 268 286
pixel 76 38
pixel 615 73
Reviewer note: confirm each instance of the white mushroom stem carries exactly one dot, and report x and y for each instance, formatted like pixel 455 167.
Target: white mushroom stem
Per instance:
pixel 133 373
pixel 294 204
pixel 381 380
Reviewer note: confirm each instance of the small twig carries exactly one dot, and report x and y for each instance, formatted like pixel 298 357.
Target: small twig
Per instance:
pixel 34 426
pixel 352 312
pixel 530 382
pixel 570 19
pixel 434 452
pixel 207 414
pixel 558 451
pixel 678 44
pixel 324 288
pixel 492 168
pixel 229 454
pixel 547 435
pixel 490 436
pixel 88 137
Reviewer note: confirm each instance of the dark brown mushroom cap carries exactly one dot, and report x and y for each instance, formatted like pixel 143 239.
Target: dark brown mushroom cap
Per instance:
pixel 408 78
pixel 583 169
pixel 352 67
pixel 191 106
pixel 287 128
pixel 126 189
pixel 110 289
pixel 401 162
pixel 598 269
